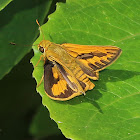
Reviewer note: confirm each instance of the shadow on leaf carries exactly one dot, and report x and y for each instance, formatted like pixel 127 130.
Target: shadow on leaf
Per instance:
pixel 105 77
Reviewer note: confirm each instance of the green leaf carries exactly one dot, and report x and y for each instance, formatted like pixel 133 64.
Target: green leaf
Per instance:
pixel 111 109
pixel 4 3
pixel 42 125
pixel 18 25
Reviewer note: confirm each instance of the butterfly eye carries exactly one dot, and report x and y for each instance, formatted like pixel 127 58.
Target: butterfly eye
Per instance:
pixel 41 49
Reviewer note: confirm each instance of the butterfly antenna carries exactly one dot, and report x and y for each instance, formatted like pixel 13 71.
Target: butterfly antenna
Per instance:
pixel 14 44
pixel 40 28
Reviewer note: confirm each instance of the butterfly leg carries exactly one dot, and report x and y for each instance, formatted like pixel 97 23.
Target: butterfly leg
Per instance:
pixel 39 61
pixel 40 81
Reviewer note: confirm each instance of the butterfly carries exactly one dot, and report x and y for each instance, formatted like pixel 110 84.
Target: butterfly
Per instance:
pixel 68 67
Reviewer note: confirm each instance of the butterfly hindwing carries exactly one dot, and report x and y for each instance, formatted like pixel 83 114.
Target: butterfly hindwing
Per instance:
pixel 58 83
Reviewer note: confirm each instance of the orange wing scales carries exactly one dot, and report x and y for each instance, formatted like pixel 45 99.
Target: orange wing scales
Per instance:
pixel 68 76
pixel 83 79
pixel 93 57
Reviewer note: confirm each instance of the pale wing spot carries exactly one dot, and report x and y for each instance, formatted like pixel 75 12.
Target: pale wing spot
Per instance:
pixel 61 85
pixel 85 80
pixel 79 74
pixel 74 54
pixel 57 88
pixel 82 77
pixel 87 87
pixel 55 75
pixel 91 86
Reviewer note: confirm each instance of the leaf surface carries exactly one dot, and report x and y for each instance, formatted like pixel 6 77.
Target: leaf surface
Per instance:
pixel 111 109
pixel 4 3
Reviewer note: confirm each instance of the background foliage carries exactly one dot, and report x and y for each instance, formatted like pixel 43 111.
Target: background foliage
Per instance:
pixel 111 109
pixel 4 3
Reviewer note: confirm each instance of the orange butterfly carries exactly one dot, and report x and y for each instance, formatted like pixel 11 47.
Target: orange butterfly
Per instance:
pixel 68 67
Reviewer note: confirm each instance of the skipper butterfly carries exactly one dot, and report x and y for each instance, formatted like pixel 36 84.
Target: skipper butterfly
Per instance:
pixel 68 67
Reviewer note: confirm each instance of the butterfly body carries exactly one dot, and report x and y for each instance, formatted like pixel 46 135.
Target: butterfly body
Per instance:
pixel 68 67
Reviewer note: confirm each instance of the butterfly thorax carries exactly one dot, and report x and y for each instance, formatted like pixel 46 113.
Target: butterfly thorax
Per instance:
pixel 55 51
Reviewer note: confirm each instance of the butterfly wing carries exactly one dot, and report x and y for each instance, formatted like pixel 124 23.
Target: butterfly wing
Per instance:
pixel 58 83
pixel 92 59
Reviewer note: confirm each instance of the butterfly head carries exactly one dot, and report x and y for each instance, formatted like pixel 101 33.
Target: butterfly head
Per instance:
pixel 43 45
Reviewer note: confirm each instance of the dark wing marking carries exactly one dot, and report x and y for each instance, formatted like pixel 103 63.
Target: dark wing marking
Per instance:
pixel 57 84
pixel 93 57
pixel 89 71
pixel 99 60
pixel 65 75
pixel 52 78
pixel 83 78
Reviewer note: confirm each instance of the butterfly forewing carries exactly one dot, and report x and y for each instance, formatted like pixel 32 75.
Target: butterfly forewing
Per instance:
pixel 93 57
